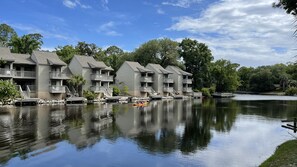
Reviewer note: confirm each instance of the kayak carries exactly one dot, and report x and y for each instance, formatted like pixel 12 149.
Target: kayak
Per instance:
pixel 140 104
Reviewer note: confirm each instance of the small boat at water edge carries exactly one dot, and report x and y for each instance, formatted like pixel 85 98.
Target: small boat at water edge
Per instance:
pixel 140 104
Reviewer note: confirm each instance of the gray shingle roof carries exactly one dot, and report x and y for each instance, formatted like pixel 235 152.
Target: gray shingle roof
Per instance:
pixel 22 59
pixel 90 62
pixel 48 58
pixel 178 70
pixel 5 54
pixel 159 68
pixel 137 67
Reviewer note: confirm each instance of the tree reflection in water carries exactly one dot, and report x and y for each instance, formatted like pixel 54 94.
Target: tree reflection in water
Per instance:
pixel 163 127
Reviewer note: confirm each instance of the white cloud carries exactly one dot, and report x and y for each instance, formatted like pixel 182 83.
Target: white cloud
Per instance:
pixel 160 11
pixel 104 4
pixel 74 3
pixel 246 32
pixel 181 3
pixel 69 3
pixel 108 29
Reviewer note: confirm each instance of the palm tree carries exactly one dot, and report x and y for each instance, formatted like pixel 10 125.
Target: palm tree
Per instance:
pixel 77 81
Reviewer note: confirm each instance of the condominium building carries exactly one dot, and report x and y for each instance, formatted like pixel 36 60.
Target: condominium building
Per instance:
pixel 138 79
pixel 182 81
pixel 163 81
pixel 40 75
pixel 96 73
pixel 51 75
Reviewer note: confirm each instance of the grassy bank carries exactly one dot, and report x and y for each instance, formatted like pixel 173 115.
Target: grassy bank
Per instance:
pixel 285 155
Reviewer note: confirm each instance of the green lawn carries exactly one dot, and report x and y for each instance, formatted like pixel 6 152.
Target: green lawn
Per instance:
pixel 285 155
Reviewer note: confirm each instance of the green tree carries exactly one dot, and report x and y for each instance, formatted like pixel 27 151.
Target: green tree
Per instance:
pixel 261 81
pixel 66 53
pixel 197 58
pixel 6 33
pixel 26 44
pixel 244 74
pixel 114 57
pixel 8 91
pixel 83 48
pixel 77 81
pixel 159 51
pixel 225 75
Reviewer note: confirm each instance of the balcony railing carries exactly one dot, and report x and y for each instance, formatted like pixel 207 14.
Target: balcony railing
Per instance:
pixel 168 80
pixel 59 75
pixel 146 79
pixel 25 74
pixel 145 89
pixel 4 72
pixel 187 81
pixel 187 90
pixel 57 89
pixel 101 77
pixel 168 89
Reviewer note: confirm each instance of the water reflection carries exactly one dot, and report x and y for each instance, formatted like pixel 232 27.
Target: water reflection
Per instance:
pixel 162 127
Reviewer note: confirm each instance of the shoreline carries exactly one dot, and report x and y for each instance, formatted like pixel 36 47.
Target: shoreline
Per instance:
pixel 284 155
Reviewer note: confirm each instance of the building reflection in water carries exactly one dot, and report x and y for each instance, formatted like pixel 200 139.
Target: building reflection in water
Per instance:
pixel 29 131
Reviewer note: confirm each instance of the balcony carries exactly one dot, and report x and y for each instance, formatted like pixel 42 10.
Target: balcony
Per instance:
pixel 146 79
pixel 187 90
pixel 168 89
pixel 101 77
pixel 58 75
pixel 57 89
pixel 25 74
pixel 168 80
pixel 145 89
pixel 5 72
pixel 187 81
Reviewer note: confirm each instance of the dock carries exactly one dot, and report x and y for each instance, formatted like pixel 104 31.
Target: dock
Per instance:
pixel 117 99
pixel 222 95
pixel 76 100
pixel 27 102
pixel 156 97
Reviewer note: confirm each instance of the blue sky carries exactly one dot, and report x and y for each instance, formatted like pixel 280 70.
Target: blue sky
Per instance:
pixel 250 33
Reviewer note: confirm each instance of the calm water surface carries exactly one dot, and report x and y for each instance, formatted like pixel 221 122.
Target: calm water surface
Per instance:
pixel 243 131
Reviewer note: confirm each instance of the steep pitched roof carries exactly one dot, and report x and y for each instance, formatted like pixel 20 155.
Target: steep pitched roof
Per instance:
pixel 179 71
pixel 137 67
pixel 159 68
pixel 5 54
pixel 48 58
pixel 22 59
pixel 90 62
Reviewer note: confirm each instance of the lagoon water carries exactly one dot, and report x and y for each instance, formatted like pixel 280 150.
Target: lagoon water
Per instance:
pixel 243 131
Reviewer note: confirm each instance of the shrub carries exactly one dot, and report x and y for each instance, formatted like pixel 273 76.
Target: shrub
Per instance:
pixel 206 92
pixel 8 91
pixel 291 91
pixel 116 91
pixel 212 89
pixel 89 95
pixel 125 90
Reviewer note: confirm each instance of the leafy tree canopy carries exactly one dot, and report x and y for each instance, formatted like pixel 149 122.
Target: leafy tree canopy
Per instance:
pixel 6 33
pixel 26 44
pixel 225 75
pixel 158 51
pixel 197 60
